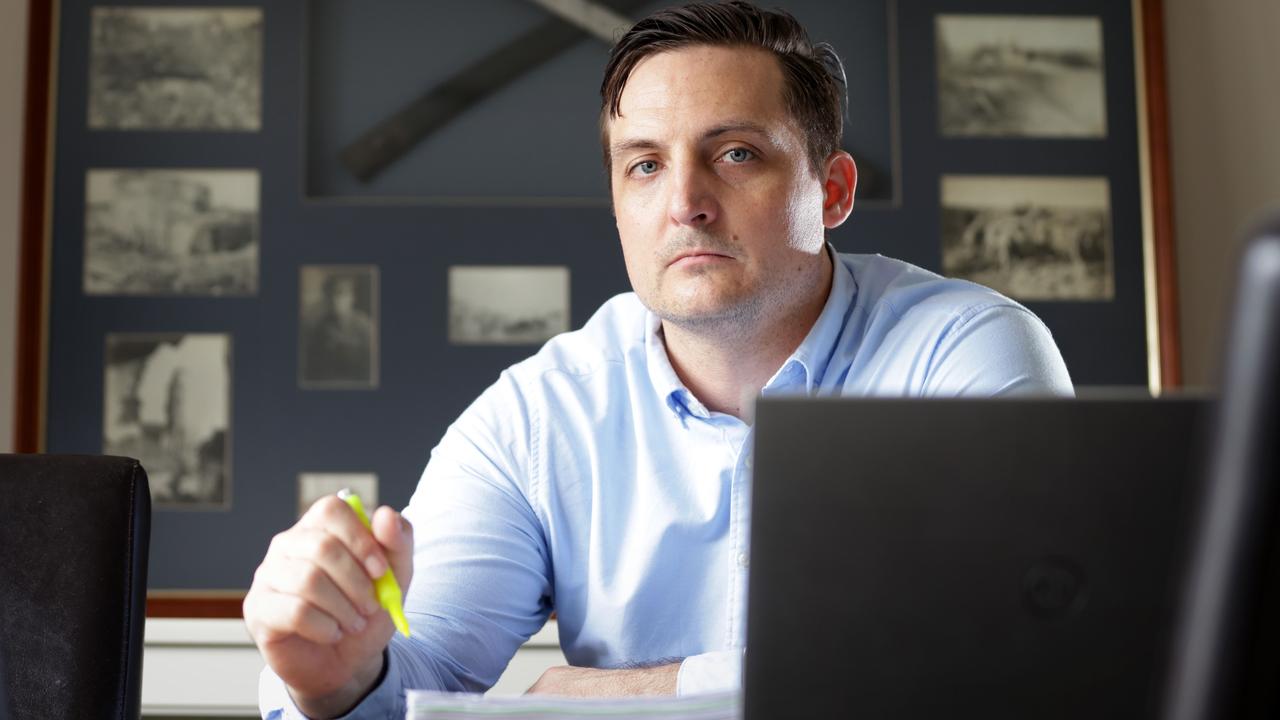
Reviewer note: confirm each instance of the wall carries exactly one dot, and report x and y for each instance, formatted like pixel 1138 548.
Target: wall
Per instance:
pixel 13 64
pixel 1225 107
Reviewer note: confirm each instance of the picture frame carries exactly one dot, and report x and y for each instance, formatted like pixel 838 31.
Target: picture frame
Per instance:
pixel 414 243
pixel 338 327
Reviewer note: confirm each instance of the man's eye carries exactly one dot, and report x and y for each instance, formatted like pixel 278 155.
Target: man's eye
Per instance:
pixel 739 155
pixel 645 167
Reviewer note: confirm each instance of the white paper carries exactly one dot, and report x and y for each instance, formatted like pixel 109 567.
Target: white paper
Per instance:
pixel 431 705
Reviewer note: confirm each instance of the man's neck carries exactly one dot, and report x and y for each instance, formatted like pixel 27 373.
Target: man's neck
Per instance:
pixel 725 368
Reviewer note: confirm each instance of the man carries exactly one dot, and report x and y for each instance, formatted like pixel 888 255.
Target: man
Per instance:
pixel 607 477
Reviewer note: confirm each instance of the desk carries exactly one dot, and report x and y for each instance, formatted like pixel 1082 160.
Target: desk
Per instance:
pixel 209 668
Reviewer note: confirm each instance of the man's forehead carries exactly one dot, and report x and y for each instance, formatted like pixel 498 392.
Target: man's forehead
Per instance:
pixel 702 85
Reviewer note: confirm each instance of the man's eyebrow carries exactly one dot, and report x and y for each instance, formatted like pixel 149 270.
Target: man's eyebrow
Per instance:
pixel 741 126
pixel 623 146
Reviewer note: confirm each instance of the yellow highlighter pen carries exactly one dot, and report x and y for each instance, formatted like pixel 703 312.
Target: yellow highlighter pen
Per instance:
pixel 387 588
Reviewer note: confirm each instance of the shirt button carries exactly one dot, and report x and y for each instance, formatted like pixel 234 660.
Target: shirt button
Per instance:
pixel 743 560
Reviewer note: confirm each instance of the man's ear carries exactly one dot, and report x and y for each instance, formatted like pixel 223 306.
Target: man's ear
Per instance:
pixel 839 181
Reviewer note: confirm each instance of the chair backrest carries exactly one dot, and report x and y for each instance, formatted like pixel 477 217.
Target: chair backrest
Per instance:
pixel 74 535
pixel 6 711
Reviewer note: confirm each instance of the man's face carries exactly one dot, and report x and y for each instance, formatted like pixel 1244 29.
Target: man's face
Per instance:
pixel 343 297
pixel 718 210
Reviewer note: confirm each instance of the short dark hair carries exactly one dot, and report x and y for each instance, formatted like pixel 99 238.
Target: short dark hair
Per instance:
pixel 814 87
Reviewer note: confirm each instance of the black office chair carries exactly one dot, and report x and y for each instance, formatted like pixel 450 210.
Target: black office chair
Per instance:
pixel 74 536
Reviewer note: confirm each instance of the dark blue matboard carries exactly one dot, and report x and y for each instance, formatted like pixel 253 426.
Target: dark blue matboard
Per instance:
pixel 309 216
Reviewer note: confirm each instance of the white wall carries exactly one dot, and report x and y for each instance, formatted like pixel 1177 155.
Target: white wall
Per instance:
pixel 13 64
pixel 1224 88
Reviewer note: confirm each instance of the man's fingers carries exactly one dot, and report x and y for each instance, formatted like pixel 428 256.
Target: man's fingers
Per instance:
pixel 307 550
pixel 335 517
pixel 308 581
pixel 280 615
pixel 395 534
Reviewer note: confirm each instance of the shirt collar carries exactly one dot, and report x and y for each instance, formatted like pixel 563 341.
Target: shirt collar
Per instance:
pixel 663 376
pixel 810 359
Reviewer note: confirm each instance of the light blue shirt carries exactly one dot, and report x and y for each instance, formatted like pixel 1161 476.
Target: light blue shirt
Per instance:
pixel 588 480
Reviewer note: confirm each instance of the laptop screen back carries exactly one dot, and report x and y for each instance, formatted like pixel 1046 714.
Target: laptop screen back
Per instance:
pixel 981 558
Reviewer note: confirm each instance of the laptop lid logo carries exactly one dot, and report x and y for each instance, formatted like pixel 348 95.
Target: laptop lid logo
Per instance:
pixel 1054 587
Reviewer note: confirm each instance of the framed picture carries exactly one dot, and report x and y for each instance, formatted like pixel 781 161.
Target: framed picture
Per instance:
pixel 167 402
pixel 220 220
pixel 1021 76
pixel 507 305
pixel 314 485
pixel 338 327
pixel 172 68
pixel 171 232
pixel 1031 238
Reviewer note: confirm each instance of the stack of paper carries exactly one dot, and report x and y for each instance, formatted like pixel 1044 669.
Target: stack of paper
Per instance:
pixel 427 705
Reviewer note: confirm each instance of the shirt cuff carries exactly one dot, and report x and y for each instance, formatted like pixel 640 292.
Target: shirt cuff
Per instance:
pixel 386 700
pixel 710 672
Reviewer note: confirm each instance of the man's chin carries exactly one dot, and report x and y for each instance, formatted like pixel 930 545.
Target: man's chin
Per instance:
pixel 706 314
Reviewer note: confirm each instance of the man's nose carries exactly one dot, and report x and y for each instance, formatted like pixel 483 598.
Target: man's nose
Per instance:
pixel 693 199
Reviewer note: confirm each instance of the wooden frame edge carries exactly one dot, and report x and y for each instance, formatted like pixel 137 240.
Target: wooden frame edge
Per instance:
pixel 29 380
pixel 1159 174
pixel 195 605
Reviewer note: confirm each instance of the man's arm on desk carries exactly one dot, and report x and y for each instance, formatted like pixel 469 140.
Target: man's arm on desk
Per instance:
pixel 707 672
pixel 567 681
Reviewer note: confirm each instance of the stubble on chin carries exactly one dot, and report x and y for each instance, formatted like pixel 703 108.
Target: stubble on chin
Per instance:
pixel 694 301
pixel 694 298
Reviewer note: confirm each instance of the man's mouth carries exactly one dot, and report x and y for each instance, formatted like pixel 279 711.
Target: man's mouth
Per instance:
pixel 697 257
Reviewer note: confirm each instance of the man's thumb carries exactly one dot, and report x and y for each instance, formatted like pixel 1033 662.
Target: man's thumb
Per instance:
pixel 395 534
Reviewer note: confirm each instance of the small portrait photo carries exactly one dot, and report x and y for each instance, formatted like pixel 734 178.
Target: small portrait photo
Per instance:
pixel 1021 76
pixel 171 68
pixel 338 339
pixel 171 232
pixel 1031 238
pixel 168 404
pixel 314 485
pixel 507 305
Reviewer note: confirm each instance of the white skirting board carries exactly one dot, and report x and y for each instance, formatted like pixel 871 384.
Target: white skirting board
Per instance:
pixel 209 668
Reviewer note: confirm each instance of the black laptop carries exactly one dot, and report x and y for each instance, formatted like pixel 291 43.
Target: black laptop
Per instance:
pixel 967 558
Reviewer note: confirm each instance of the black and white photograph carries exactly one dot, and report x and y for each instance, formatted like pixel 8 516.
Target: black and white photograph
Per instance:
pixel 175 68
pixel 314 485
pixel 168 404
pixel 171 232
pixel 1031 238
pixel 507 305
pixel 1021 76
pixel 338 343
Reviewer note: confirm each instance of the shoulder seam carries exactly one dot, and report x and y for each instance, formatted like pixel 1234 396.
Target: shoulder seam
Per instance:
pixel 970 313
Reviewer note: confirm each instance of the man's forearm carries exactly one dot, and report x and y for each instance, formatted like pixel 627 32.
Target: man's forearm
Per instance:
pixel 592 682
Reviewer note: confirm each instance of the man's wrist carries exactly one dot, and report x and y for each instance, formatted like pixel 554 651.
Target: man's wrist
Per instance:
pixel 342 701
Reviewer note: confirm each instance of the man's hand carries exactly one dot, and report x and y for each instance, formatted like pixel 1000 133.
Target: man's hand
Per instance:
pixel 312 609
pixel 590 682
